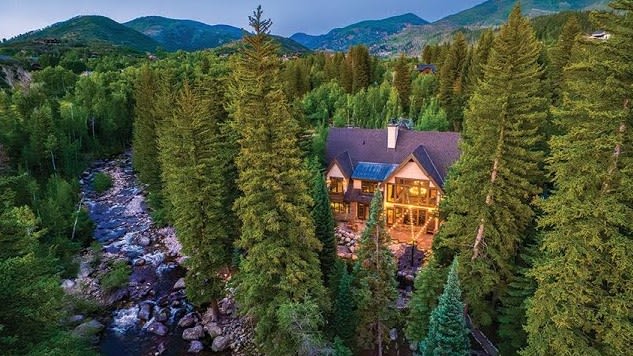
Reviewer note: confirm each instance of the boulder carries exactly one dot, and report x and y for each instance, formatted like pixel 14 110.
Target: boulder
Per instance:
pixel 145 311
pixel 213 330
pixel 68 284
pixel 160 349
pixel 393 334
pixel 76 319
pixel 188 320
pixel 88 329
pixel 220 343
pixel 413 346
pixel 180 284
pixel 143 240
pixel 162 315
pixel 194 333
pixel 157 328
pixel 139 262
pixel 195 347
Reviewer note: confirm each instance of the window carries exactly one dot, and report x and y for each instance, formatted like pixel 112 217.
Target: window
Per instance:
pixel 406 216
pixel 368 187
pixel 336 185
pixel 363 211
pixel 339 208
pixel 413 191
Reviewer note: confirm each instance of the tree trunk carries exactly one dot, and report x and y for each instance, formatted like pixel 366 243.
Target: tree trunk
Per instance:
pixel 379 339
pixel 215 311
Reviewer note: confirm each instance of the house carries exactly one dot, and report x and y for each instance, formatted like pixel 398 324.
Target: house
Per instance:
pixel 426 68
pixel 600 35
pixel 410 168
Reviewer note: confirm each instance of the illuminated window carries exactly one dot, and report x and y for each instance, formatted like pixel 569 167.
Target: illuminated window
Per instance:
pixel 363 211
pixel 368 187
pixel 336 185
pixel 339 208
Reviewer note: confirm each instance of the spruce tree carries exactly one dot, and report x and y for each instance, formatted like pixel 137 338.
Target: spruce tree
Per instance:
pixel 361 67
pixel 344 321
pixel 487 207
pixel 323 220
pixel 451 78
pixel 448 333
pixel 402 81
pixel 375 285
pixel 428 287
pixel 190 153
pixel 582 304
pixel 280 270
pixel 480 55
pixel 561 55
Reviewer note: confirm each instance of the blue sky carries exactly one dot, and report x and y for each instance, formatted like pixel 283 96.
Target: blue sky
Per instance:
pixel 289 16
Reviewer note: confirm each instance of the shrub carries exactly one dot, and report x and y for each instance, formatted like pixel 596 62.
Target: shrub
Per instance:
pixel 101 182
pixel 117 277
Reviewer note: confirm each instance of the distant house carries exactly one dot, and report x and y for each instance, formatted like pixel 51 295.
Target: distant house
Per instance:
pixel 426 68
pixel 409 167
pixel 600 35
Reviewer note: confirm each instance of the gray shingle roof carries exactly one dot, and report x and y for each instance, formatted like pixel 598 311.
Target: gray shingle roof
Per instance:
pixel 370 145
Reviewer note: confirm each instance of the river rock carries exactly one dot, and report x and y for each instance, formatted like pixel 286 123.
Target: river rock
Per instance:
pixel 139 262
pixel 194 333
pixel 143 240
pixel 76 319
pixel 188 320
pixel 68 284
pixel 157 328
pixel 220 343
pixel 145 311
pixel 393 334
pixel 162 315
pixel 413 346
pixel 160 349
pixel 88 329
pixel 195 347
pixel 180 284
pixel 213 330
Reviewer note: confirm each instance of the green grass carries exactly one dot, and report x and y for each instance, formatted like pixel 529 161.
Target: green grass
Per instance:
pixel 101 182
pixel 117 277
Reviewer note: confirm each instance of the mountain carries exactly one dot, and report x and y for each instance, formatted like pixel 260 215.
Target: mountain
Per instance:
pixel 90 29
pixel 495 12
pixel 187 35
pixel 287 46
pixel 365 32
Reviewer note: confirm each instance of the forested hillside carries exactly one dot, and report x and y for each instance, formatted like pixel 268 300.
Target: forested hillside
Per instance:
pixel 536 237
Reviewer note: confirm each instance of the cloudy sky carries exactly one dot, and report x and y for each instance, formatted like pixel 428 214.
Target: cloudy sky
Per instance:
pixel 289 16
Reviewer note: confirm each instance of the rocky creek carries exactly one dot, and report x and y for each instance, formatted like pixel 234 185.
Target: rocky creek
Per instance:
pixel 148 315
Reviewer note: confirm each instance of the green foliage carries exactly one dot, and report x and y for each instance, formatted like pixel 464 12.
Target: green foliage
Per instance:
pixel 281 267
pixel 432 118
pixel 448 333
pixel 101 182
pixel 340 349
pixel 323 219
pixel 451 77
pixel 402 81
pixel 343 320
pixel 588 220
pixel 117 276
pixel 428 287
pixel 374 281
pixel 488 198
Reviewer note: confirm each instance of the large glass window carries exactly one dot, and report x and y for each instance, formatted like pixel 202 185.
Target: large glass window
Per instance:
pixel 363 211
pixel 339 208
pixel 336 185
pixel 412 191
pixel 367 187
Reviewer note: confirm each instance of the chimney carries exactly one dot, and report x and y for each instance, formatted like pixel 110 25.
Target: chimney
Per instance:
pixel 392 135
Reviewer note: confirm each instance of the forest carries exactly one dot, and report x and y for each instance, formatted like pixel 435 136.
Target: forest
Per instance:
pixel 536 241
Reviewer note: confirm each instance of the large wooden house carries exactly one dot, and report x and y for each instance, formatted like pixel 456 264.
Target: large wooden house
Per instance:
pixel 409 167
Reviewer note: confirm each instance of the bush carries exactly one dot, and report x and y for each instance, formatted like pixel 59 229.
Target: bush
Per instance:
pixel 101 182
pixel 117 277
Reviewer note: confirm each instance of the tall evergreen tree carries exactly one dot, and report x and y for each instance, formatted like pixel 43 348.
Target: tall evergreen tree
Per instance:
pixel 488 200
pixel 360 62
pixel 583 302
pixel 480 55
pixel 448 333
pixel 451 81
pixel 323 219
pixel 375 285
pixel 190 143
pixel 561 55
pixel 428 286
pixel 402 81
pixel 344 321
pixel 280 270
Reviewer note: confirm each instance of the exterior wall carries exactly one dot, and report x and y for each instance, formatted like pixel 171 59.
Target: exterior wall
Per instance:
pixel 410 170
pixel 335 172
pixel 357 184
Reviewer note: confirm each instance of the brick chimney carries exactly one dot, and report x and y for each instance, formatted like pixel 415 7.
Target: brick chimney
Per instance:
pixel 392 135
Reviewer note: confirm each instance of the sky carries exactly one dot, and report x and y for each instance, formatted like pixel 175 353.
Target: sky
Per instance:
pixel 289 16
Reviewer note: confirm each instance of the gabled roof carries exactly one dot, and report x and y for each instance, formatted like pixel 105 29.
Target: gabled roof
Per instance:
pixel 377 172
pixel 439 149
pixel 424 67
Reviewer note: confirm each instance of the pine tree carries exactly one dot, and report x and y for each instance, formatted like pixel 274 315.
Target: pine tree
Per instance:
pixel 428 287
pixel 361 67
pixel 582 304
pixel 402 81
pixel 375 289
pixel 451 78
pixel 448 333
pixel 488 199
pixel 323 220
pixel 344 322
pixel 190 143
pixel 561 55
pixel 480 55
pixel 281 265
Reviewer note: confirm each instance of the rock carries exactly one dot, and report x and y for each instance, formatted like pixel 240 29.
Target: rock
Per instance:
pixel 220 343
pixel 76 319
pixel 188 320
pixel 413 346
pixel 157 328
pixel 139 262
pixel 393 334
pixel 352 248
pixel 194 333
pixel 162 315
pixel 88 329
pixel 213 330
pixel 180 284
pixel 117 296
pixel 143 241
pixel 68 284
pixel 195 347
pixel 163 301
pixel 145 311
pixel 160 349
